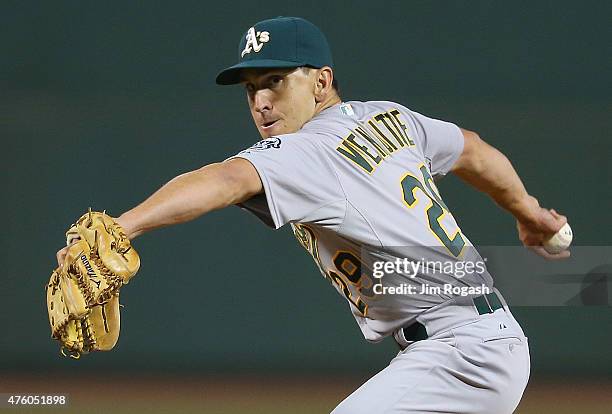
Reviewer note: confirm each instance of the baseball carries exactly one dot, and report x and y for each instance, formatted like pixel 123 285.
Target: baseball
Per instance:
pixel 560 241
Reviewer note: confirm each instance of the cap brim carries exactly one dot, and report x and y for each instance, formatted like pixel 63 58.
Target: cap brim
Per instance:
pixel 231 75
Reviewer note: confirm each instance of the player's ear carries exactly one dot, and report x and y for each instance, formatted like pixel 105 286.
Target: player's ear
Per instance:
pixel 323 83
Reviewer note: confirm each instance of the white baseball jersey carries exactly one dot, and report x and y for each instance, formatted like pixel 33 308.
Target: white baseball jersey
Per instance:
pixel 356 183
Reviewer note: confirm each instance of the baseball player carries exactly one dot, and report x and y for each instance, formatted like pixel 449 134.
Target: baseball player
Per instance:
pixel 355 180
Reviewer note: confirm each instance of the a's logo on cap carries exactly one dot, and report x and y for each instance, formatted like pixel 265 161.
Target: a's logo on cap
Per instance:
pixel 255 41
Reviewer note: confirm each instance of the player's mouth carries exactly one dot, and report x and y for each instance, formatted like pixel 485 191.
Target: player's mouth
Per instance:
pixel 266 126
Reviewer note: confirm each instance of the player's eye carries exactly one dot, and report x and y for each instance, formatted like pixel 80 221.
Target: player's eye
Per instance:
pixel 275 80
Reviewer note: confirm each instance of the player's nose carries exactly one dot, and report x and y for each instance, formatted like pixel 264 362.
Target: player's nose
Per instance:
pixel 261 101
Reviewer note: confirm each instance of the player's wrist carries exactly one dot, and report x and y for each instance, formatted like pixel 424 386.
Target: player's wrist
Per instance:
pixel 525 209
pixel 128 225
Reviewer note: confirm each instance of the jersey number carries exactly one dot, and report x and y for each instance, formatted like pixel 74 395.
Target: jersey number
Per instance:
pixel 349 266
pixel 435 211
pixel 346 263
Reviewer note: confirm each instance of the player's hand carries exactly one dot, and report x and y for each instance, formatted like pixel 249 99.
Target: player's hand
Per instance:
pixel 73 238
pixel 539 224
pixel 61 254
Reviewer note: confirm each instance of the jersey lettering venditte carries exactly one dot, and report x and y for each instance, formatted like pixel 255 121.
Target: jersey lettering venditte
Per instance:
pixel 357 185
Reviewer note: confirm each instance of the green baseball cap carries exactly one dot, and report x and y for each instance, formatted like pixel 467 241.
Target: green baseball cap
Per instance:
pixel 283 42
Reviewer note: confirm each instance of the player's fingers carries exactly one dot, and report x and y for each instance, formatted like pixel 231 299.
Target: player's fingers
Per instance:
pixel 540 251
pixel 529 237
pixel 72 238
pixel 552 222
pixel 558 216
pixel 559 256
pixel 61 256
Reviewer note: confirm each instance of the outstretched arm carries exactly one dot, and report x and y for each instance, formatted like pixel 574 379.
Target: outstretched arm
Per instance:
pixel 488 170
pixel 191 195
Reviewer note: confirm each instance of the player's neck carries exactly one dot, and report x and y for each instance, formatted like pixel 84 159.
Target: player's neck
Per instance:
pixel 331 100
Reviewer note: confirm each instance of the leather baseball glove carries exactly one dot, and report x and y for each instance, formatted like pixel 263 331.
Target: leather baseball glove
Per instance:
pixel 83 294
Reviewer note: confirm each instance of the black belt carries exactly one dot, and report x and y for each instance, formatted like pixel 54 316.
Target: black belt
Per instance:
pixel 488 303
pixel 484 304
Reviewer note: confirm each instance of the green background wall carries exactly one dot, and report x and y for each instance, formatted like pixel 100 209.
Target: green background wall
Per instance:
pixel 102 104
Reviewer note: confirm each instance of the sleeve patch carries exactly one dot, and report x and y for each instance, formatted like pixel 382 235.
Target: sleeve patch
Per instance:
pixel 268 143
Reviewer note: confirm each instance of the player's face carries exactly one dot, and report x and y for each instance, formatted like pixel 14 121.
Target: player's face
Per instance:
pixel 281 100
